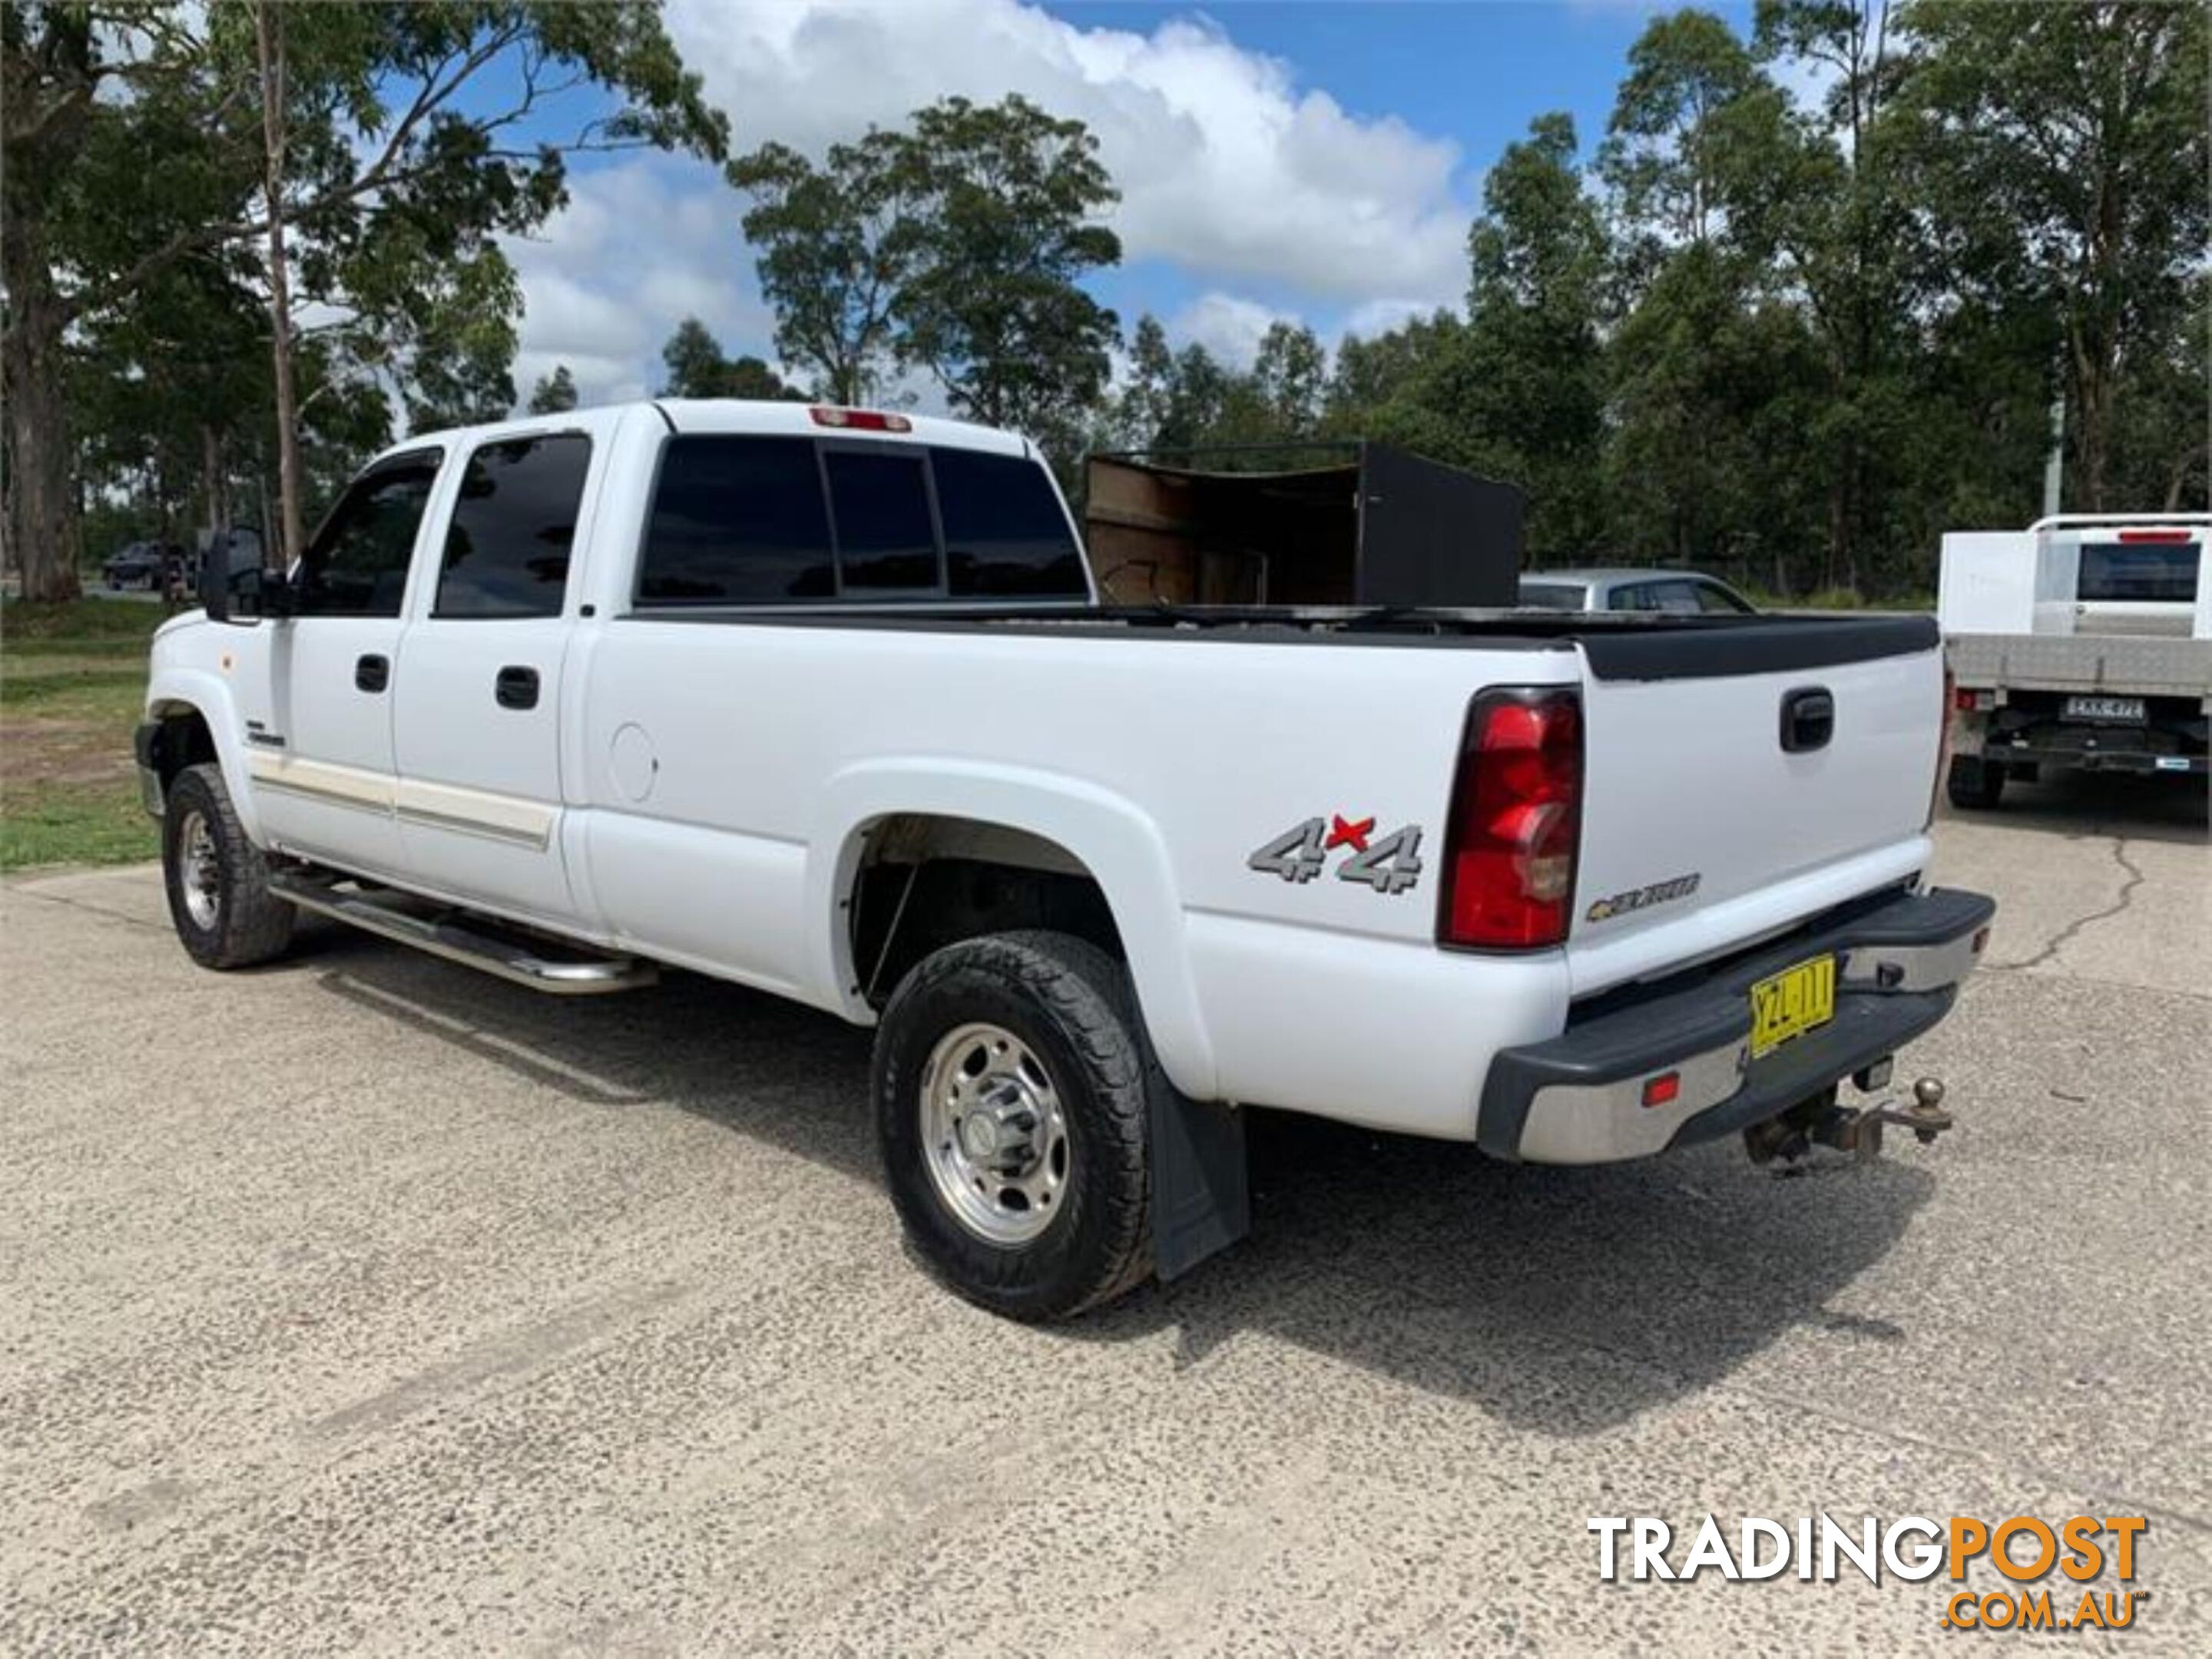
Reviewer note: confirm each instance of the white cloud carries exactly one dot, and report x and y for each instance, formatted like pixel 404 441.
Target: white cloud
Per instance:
pixel 1227 325
pixel 1230 171
pixel 640 247
pixel 1227 168
pixel 1381 316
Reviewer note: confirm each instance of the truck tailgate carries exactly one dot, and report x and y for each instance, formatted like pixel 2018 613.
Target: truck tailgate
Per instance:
pixel 1716 809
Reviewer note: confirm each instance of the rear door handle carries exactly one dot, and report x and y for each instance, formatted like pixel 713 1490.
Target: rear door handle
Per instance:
pixel 517 687
pixel 370 673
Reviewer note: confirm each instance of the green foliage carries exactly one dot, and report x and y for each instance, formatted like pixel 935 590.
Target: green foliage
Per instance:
pixel 2062 153
pixel 697 368
pixel 72 677
pixel 76 624
pixel 1515 390
pixel 1795 345
pixel 834 245
pixel 555 393
pixel 136 233
pixel 1005 195
pixel 957 245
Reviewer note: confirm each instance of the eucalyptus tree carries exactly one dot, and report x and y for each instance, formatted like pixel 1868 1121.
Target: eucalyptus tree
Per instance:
pixel 367 156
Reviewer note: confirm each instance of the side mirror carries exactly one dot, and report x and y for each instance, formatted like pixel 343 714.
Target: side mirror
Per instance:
pixel 235 589
pixel 215 582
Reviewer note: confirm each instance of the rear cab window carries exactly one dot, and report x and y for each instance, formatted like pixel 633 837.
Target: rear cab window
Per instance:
pixel 744 519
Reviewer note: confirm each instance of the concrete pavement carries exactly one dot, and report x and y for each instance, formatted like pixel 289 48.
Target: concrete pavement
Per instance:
pixel 364 1304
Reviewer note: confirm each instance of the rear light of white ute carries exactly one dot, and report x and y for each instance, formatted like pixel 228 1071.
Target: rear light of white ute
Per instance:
pixel 1514 829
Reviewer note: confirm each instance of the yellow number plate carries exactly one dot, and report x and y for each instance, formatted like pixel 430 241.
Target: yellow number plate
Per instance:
pixel 1791 1003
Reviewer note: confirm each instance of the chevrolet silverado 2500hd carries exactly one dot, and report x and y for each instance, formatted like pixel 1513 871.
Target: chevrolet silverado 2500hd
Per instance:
pixel 824 702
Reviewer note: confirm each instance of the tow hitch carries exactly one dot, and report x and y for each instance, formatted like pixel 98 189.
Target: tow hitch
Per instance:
pixel 1818 1119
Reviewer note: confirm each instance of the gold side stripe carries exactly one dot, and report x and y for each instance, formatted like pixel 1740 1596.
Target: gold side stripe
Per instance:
pixel 508 819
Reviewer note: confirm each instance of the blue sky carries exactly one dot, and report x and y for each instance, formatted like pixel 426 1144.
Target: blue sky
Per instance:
pixel 1314 159
pixel 1474 71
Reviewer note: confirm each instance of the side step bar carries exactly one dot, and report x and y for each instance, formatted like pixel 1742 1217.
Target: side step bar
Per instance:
pixel 445 934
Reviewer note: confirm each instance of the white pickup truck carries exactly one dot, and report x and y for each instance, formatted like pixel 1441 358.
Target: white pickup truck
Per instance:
pixel 823 701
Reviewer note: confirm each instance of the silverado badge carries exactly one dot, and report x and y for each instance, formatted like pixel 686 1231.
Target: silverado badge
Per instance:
pixel 1639 898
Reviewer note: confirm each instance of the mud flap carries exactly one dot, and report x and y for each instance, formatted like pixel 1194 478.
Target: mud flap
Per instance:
pixel 1202 1203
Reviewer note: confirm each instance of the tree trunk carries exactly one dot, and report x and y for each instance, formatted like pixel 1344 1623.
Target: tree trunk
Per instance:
pixel 42 521
pixel 218 494
pixel 41 515
pixel 269 34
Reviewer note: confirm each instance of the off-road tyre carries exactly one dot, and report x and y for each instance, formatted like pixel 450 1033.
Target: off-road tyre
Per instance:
pixel 1070 1003
pixel 247 924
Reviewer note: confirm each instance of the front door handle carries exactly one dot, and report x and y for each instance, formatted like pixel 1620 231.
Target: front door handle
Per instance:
pixel 516 687
pixel 372 673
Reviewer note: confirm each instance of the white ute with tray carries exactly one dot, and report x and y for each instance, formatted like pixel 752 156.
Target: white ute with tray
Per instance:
pixel 2083 642
pixel 824 702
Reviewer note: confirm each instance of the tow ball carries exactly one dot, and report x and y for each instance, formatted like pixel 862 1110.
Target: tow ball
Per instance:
pixel 1819 1121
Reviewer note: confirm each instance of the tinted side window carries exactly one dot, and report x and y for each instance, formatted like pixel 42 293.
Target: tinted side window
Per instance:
pixel 1004 533
pixel 356 566
pixel 736 521
pixel 886 539
pixel 507 547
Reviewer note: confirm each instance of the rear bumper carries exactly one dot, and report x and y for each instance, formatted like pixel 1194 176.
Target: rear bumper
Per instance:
pixel 1578 1098
pixel 2100 749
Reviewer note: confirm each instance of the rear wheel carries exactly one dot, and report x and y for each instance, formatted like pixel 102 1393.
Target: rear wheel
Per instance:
pixel 1975 783
pixel 217 880
pixel 1012 1092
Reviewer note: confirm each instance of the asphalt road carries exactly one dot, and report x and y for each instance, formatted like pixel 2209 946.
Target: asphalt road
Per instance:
pixel 366 1303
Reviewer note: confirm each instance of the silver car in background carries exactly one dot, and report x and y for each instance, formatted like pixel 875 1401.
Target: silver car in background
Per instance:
pixel 1627 589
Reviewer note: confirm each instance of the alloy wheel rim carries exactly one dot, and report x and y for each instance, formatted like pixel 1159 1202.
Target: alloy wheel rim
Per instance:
pixel 995 1136
pixel 200 870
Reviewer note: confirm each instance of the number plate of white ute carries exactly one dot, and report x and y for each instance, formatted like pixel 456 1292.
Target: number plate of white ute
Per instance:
pixel 2125 710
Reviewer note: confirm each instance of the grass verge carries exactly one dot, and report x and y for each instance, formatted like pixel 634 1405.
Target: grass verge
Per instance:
pixel 72 681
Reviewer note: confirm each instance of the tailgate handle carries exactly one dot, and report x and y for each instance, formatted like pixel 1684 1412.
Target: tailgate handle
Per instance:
pixel 1808 718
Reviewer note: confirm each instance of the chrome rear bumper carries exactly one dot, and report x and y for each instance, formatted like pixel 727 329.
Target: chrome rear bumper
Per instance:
pixel 1578 1098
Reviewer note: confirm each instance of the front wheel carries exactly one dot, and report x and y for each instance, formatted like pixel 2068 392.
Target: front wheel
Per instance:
pixel 1012 1090
pixel 218 882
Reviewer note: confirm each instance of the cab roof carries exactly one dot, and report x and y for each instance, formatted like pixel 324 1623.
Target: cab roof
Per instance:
pixel 689 415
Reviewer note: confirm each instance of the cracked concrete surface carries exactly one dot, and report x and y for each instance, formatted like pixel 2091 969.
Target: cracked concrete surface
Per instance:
pixel 363 1304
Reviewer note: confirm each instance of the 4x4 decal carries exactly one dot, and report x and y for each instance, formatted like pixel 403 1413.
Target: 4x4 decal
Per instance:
pixel 1388 864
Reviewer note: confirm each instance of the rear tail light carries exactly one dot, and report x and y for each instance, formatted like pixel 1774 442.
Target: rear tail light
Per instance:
pixel 1515 822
